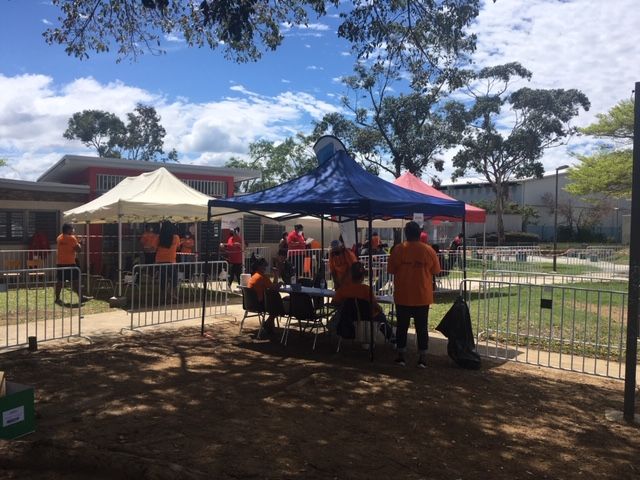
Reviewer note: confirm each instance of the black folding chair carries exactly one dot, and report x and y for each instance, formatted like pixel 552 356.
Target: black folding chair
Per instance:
pixel 302 309
pixel 352 311
pixel 274 304
pixel 252 307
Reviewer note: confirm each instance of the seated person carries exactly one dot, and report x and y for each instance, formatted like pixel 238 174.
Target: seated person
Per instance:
pixel 284 267
pixel 359 290
pixel 260 282
pixel 340 261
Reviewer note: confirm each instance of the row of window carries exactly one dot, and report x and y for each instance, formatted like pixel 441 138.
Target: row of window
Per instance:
pixel 212 188
pixel 18 226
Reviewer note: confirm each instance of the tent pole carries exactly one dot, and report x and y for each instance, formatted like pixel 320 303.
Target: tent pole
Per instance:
pixel 120 255
pixel 88 259
pixel 370 255
pixel 484 249
pixel 207 253
pixel 321 264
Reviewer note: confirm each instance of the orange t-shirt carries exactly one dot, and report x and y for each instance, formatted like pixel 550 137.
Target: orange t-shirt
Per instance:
pixel 340 266
pixel 260 283
pixel 356 290
pixel 168 255
pixel 186 245
pixel 413 265
pixel 67 249
pixel 149 241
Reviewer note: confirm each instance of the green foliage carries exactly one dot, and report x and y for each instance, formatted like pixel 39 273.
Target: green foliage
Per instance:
pixel 98 129
pixel 608 171
pixel 244 29
pixel 142 138
pixel 278 162
pixel 511 238
pixel 499 151
pixel 425 44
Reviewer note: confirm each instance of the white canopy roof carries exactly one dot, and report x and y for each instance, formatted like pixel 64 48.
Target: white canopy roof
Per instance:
pixel 151 196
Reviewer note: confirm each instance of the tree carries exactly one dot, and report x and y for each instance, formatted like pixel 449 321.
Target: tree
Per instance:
pixel 507 133
pixel 145 136
pixel 278 162
pixel 243 29
pixel 98 129
pixel 142 138
pixel 426 44
pixel 607 172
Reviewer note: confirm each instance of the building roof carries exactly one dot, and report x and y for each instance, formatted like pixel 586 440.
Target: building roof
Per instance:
pixel 70 165
pixel 22 185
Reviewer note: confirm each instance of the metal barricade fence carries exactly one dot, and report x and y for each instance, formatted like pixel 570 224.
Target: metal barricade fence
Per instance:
pixel 564 327
pixel 28 307
pixel 264 252
pixel 382 280
pixel 27 259
pixel 547 278
pixel 171 292
pixel 306 263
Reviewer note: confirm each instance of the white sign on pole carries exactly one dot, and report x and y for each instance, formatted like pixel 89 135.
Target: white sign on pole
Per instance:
pixel 419 219
pixel 230 223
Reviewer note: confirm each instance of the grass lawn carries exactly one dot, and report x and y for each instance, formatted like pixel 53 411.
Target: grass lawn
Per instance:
pixel 583 318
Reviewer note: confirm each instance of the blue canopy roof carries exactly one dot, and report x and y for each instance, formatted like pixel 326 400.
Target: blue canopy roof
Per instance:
pixel 340 187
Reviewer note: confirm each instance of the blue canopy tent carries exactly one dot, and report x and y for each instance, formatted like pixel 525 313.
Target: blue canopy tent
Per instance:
pixel 338 190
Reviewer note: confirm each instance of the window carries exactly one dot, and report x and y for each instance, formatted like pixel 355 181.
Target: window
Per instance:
pixel 12 226
pixel 45 223
pixel 272 233
pixel 251 224
pixel 106 182
pixel 212 188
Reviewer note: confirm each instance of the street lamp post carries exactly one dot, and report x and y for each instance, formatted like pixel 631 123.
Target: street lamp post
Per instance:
pixel 555 219
pixel 616 209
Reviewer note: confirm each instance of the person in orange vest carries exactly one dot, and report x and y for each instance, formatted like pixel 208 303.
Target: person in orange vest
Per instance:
pixel 413 265
pixel 259 281
pixel 67 248
pixel 166 254
pixel 149 242
pixel 340 261
pixel 234 255
pixel 187 243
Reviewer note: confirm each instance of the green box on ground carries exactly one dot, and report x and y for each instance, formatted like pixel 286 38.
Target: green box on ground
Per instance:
pixel 17 415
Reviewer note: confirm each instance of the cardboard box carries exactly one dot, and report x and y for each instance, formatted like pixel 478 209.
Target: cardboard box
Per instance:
pixel 17 414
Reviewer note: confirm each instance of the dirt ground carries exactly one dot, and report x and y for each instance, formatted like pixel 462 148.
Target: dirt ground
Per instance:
pixel 170 404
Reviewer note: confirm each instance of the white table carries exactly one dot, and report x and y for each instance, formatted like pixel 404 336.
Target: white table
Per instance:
pixel 311 291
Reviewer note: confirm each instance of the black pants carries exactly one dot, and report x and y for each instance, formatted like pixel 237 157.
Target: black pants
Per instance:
pixel 420 317
pixel 235 269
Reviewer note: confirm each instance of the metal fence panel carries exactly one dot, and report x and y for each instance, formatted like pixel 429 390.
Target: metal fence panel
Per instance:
pixel 28 307
pixel 559 326
pixel 166 293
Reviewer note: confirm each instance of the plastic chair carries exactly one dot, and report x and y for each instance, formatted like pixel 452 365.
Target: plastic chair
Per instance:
pixel 35 264
pixel 11 276
pixel 252 307
pixel 302 309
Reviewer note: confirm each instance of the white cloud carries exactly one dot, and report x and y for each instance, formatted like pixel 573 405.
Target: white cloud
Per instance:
pixel 345 54
pixel 172 37
pixel 314 67
pixel 46 22
pixel 321 27
pixel 34 112
pixel 590 45
pixel 284 80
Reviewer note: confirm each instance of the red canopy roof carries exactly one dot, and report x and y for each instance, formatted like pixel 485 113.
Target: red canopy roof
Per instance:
pixel 411 182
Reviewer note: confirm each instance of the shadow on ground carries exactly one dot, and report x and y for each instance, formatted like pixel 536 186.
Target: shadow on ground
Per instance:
pixel 172 404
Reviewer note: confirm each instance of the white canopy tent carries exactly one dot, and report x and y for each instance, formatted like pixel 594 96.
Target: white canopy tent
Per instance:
pixel 149 197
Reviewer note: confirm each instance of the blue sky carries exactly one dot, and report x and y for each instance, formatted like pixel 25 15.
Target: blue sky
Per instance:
pixel 213 108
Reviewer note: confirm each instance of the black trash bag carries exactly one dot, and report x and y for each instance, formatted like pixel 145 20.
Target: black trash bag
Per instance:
pixel 456 326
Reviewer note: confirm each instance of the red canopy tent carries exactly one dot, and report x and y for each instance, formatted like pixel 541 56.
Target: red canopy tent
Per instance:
pixel 411 182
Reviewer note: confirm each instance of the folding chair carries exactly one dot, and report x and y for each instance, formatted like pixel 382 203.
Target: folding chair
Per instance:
pixel 35 275
pixel 302 309
pixel 352 311
pixel 252 307
pixel 10 276
pixel 275 305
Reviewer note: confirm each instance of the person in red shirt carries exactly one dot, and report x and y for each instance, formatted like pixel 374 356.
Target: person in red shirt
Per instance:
pixel 424 237
pixel 67 248
pixel 234 255
pixel 413 265
pixel 296 246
